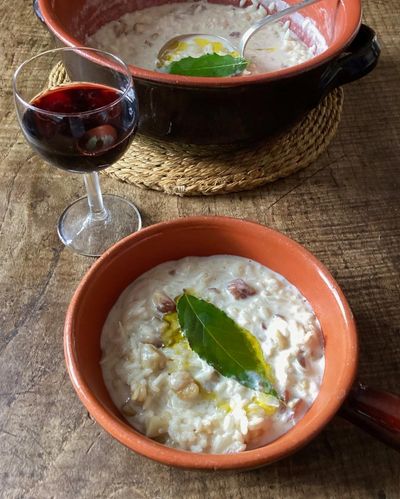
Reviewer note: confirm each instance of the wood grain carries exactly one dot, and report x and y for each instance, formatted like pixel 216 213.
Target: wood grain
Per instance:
pixel 344 208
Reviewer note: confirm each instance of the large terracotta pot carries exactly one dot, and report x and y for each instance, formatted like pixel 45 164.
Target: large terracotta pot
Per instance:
pixel 229 110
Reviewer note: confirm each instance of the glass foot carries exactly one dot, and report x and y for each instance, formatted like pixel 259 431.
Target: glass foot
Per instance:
pixel 88 236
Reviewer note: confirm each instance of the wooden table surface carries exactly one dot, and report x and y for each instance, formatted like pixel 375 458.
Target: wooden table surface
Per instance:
pixel 344 208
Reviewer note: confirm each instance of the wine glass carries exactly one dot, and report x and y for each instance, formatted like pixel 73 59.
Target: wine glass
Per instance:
pixel 82 126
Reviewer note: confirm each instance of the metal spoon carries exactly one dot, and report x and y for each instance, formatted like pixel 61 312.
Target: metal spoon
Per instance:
pixel 244 38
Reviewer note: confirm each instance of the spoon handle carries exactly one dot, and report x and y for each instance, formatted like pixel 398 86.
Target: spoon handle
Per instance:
pixel 270 19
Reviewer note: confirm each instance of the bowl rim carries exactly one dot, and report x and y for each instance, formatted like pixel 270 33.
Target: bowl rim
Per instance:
pixel 149 448
pixel 352 25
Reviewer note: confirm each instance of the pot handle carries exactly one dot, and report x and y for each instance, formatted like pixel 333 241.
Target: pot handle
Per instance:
pixel 358 59
pixel 375 411
pixel 37 11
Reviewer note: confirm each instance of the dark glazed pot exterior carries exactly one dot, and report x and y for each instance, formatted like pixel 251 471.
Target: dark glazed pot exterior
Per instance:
pixel 220 115
pixel 228 110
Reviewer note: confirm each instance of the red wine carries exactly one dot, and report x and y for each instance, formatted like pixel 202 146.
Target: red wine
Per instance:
pixel 87 128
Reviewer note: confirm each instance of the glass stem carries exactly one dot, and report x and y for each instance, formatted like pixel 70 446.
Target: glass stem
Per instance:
pixel 95 198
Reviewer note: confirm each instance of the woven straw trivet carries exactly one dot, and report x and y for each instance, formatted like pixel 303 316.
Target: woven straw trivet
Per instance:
pixel 190 170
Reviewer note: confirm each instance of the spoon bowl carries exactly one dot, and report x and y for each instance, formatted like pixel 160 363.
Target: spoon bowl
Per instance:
pixel 226 46
pixel 223 43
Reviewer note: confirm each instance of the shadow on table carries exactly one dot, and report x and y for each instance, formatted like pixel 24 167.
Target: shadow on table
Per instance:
pixel 340 460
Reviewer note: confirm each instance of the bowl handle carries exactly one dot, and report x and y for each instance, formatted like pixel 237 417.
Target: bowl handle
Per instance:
pixel 36 10
pixel 375 411
pixel 358 59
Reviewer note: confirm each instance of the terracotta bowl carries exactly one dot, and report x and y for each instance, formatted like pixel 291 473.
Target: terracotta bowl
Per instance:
pixel 136 254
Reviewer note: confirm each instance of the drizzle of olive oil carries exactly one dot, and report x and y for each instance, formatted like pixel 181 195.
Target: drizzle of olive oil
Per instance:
pixel 172 337
pixel 171 333
pixel 268 404
pixel 225 406
pixel 207 395
pixel 219 403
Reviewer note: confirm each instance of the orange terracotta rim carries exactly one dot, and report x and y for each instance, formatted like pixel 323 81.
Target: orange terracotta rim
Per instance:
pixel 320 413
pixel 352 11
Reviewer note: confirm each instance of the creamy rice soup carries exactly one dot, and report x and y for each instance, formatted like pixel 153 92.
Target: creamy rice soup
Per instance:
pixel 138 36
pixel 166 391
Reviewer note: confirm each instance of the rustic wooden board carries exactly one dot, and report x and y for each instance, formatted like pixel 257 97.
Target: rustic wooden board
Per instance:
pixel 344 208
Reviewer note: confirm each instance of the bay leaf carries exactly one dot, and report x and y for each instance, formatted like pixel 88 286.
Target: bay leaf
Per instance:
pixel 208 65
pixel 232 350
